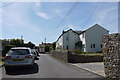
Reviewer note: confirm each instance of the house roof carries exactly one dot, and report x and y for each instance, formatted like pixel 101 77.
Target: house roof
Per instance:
pixel 97 25
pixel 77 32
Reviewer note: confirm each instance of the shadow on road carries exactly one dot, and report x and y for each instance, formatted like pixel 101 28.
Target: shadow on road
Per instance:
pixel 22 70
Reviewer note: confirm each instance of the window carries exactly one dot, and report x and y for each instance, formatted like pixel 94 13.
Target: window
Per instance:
pixel 18 52
pixel 67 38
pixel 83 45
pixel 101 45
pixel 83 35
pixel 67 47
pixel 93 45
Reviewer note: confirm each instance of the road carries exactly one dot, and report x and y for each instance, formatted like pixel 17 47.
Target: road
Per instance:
pixel 48 67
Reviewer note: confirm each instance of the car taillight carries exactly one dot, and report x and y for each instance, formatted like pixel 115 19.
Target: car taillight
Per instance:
pixel 7 57
pixel 29 56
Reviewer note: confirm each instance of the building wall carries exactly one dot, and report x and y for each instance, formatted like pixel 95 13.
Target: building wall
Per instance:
pixel 0 48
pixel 82 38
pixel 59 43
pixel 69 39
pixel 93 36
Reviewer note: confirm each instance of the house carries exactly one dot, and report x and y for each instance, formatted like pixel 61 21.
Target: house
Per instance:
pixel 42 47
pixel 88 40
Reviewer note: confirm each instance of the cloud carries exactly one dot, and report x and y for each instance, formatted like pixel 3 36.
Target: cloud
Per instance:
pixel 43 15
pixel 103 15
pixel 59 12
pixel 38 4
pixel 19 16
pixel 71 26
pixel 107 17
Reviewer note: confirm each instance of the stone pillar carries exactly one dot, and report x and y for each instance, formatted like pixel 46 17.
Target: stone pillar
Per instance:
pixel 111 50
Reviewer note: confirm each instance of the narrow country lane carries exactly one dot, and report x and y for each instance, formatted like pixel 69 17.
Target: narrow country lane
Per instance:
pixel 48 67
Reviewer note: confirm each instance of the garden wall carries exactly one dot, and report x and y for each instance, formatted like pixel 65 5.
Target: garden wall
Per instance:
pixel 111 50
pixel 62 55
pixel 76 58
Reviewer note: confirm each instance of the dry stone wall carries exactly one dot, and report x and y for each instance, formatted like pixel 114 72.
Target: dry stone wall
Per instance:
pixel 111 50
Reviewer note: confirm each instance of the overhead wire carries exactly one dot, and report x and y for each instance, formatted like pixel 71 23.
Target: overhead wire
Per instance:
pixel 86 22
pixel 67 15
pixel 7 4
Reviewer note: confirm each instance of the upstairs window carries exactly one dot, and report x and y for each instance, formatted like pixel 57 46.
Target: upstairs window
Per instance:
pixel 101 46
pixel 83 35
pixel 93 45
pixel 67 38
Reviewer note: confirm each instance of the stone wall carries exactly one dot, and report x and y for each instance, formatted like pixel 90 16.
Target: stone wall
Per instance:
pixel 111 50
pixel 62 55
pixel 78 58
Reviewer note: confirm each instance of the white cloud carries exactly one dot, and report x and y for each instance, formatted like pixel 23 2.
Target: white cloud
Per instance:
pixel 103 15
pixel 107 17
pixel 59 12
pixel 38 4
pixel 15 17
pixel 43 15
pixel 71 26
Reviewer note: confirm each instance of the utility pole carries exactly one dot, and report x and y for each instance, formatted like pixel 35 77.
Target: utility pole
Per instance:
pixel 45 44
pixel 21 37
pixel 45 40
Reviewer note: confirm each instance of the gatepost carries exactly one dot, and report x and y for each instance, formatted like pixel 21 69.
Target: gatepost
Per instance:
pixel 111 50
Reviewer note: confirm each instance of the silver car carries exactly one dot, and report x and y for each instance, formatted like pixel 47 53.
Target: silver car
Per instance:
pixel 19 56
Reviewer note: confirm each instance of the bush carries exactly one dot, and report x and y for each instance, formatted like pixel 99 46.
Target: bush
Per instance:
pixel 47 48
pixel 77 51
pixel 7 48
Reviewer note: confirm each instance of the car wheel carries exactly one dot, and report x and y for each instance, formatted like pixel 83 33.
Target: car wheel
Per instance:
pixel 32 66
pixel 7 67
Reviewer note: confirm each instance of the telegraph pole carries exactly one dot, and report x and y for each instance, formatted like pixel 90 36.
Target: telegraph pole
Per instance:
pixel 45 40
pixel 21 37
pixel 45 44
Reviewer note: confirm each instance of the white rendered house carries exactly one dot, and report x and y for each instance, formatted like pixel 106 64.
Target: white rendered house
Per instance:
pixel 87 41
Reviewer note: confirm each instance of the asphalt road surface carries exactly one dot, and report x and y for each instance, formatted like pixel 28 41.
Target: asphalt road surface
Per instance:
pixel 48 67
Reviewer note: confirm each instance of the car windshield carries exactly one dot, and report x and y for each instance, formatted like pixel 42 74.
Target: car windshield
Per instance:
pixel 18 52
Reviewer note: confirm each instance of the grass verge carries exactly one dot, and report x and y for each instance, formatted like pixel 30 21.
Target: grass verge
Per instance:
pixel 1 63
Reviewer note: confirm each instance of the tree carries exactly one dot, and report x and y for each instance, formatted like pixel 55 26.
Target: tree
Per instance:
pixel 47 48
pixel 54 45
pixel 30 44
pixel 17 42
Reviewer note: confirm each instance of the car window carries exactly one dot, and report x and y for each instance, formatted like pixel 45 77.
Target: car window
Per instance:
pixel 18 52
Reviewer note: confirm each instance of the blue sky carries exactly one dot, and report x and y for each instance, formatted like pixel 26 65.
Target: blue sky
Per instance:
pixel 38 20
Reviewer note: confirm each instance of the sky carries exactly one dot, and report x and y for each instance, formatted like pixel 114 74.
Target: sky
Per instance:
pixel 36 21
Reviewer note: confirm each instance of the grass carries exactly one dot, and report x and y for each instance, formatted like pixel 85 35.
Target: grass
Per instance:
pixel 93 54
pixel 1 63
pixel 84 53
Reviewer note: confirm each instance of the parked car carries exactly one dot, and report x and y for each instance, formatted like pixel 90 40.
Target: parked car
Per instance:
pixel 19 56
pixel 35 53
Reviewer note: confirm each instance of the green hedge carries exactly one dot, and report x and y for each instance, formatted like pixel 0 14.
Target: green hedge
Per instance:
pixel 77 51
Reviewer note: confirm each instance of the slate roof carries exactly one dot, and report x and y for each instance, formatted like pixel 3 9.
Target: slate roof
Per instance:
pixel 78 32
